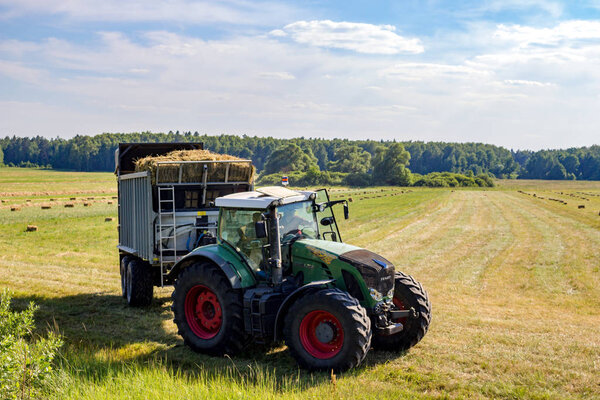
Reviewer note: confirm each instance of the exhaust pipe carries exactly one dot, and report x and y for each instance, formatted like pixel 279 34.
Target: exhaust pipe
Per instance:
pixel 275 260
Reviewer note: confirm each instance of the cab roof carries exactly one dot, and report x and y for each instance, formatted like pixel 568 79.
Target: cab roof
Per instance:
pixel 263 198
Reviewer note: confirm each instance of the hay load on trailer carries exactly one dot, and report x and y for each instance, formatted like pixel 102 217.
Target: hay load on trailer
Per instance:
pixel 185 166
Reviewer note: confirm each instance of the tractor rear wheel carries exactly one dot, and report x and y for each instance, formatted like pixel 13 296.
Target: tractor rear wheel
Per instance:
pixel 208 312
pixel 138 283
pixel 327 330
pixel 408 293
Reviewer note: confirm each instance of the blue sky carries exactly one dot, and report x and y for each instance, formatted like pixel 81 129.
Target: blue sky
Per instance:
pixel 521 74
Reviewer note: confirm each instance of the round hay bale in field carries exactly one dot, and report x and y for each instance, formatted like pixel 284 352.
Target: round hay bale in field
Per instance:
pixel 580 206
pixel 109 219
pixel 238 172
pixel 31 228
pixel 350 199
pixel 90 198
pixel 52 199
pixel 86 204
pixel 28 201
pixel 15 209
pixel 109 202
pixel 115 197
pixel 72 198
pixel 46 207
pixel 69 205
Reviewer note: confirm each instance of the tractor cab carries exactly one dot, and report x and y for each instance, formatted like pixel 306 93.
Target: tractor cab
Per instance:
pixel 251 222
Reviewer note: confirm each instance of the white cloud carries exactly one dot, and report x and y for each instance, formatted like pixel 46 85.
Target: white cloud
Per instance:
pixel 359 37
pixel 20 72
pixel 568 31
pixel 180 11
pixel 522 82
pixel 282 76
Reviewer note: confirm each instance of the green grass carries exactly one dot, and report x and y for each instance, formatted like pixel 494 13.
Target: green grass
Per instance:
pixel 514 281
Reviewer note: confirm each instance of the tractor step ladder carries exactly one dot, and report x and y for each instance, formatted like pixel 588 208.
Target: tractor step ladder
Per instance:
pixel 256 319
pixel 166 208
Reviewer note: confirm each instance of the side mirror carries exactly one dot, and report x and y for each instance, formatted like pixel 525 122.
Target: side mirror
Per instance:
pixel 327 221
pixel 261 229
pixel 346 211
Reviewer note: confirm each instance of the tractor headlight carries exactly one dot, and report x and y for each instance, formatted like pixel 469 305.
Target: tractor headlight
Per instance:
pixel 375 294
pixel 390 294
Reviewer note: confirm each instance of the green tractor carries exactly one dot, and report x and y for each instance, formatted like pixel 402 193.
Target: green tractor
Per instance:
pixel 279 271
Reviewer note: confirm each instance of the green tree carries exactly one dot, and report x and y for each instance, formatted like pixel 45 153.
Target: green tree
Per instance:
pixel 289 157
pixel 352 159
pixel 389 166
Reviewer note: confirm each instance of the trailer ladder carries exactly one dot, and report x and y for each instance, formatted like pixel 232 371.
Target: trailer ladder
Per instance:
pixel 166 208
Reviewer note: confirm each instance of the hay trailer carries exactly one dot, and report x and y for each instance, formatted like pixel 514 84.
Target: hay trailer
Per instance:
pixel 168 210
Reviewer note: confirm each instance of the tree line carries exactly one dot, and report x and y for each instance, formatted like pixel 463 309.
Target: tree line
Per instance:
pixel 359 159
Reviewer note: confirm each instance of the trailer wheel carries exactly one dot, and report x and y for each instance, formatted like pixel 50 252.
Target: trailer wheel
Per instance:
pixel 408 293
pixel 123 270
pixel 139 283
pixel 327 330
pixel 208 311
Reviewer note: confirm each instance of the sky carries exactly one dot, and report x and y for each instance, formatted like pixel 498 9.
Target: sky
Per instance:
pixel 523 74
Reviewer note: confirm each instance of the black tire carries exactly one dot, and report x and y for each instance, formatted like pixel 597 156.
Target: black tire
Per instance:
pixel 408 294
pixel 226 334
pixel 139 283
pixel 347 331
pixel 123 270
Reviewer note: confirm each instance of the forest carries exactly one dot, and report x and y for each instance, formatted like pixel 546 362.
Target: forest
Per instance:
pixel 326 161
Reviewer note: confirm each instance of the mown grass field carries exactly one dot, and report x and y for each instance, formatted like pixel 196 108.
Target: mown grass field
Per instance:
pixel 514 280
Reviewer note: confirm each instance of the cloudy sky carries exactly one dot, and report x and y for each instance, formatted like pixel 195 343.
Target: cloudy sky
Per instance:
pixel 518 73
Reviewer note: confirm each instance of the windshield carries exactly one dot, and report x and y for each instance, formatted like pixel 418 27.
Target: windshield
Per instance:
pixel 297 218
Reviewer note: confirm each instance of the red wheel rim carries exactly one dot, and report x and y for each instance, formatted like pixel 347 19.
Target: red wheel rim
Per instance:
pixel 400 306
pixel 203 312
pixel 321 334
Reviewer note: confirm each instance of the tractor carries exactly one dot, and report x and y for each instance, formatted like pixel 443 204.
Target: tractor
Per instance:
pixel 264 265
pixel 279 271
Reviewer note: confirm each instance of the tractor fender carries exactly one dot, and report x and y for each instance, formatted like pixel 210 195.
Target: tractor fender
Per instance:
pixel 290 299
pixel 202 255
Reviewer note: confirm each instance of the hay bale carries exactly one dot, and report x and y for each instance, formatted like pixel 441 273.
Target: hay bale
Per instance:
pixel 72 198
pixel 69 205
pixel 580 206
pixel 86 204
pixel 350 199
pixel 90 198
pixel 115 197
pixel 110 202
pixel 15 208
pixel 28 201
pixel 31 228
pixel 238 172
pixel 52 199
pixel 108 219
pixel 46 207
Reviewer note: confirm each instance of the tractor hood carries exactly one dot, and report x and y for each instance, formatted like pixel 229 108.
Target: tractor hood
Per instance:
pixel 377 272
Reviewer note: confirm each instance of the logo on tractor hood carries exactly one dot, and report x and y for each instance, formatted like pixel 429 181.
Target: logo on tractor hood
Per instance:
pixel 327 258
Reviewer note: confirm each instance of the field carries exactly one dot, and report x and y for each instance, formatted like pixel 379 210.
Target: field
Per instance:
pixel 514 280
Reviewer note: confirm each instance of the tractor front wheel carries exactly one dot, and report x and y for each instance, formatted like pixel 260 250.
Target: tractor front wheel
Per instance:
pixel 327 330
pixel 408 294
pixel 208 311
